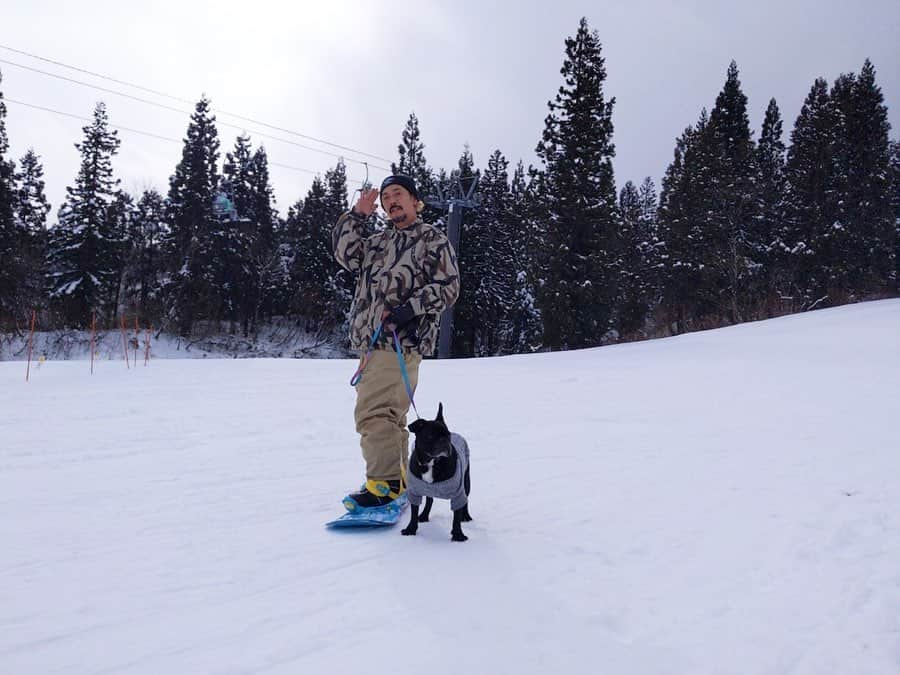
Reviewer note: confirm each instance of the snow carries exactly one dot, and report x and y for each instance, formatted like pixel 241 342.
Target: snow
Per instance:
pixel 720 502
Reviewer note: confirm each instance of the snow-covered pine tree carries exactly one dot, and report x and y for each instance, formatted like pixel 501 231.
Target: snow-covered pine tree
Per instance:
pixel 145 262
pixel 442 184
pixel 581 240
pixel 732 209
pixel 682 224
pixel 895 202
pixel 277 289
pixel 292 247
pixel 12 268
pixel 486 266
pixel 652 249
pixel 83 259
pixel 117 228
pixel 236 235
pixel 471 256
pixel 770 198
pixel 635 284
pixel 190 290
pixel 339 283
pixel 31 217
pixel 707 215
pixel 322 291
pixel 263 252
pixel 412 157
pixel 236 175
pixel 809 209
pixel 523 328
pixel 861 256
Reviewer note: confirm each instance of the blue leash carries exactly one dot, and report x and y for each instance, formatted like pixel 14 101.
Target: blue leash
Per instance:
pixel 403 372
pixel 357 376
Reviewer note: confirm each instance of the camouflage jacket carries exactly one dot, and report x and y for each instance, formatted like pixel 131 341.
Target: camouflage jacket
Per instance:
pixel 410 271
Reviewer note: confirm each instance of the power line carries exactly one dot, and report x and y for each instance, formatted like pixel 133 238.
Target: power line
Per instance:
pixel 184 100
pixel 87 119
pixel 151 135
pixel 184 112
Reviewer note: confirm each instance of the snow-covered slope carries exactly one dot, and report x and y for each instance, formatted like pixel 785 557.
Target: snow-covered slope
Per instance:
pixel 722 502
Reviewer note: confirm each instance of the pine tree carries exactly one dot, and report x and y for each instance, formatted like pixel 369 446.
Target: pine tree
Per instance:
pixel 683 229
pixel 236 236
pixel 145 264
pixel 839 212
pixel 733 193
pixel 524 327
pixel 278 287
pixel 651 248
pixel 444 187
pixel 577 151
pixel 486 260
pixel 83 257
pixel 412 157
pixel 263 252
pixel 770 196
pixel 808 206
pixel 340 283
pixel 860 252
pixel 895 202
pixel 12 268
pixel 707 216
pixel 472 256
pixel 191 289
pixel 635 286
pixel 323 290
pixel 31 211
pixel 31 201
pixel 119 224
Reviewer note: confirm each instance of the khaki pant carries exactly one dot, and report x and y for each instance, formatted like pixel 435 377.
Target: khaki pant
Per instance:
pixel 381 407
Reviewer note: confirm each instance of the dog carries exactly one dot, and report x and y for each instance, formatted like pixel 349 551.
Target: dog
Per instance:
pixel 438 467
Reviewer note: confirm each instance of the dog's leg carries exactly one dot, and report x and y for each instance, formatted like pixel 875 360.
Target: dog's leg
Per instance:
pixel 468 485
pixel 410 530
pixel 456 534
pixel 426 512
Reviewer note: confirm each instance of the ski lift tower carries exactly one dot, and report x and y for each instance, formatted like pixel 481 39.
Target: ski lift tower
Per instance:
pixel 455 207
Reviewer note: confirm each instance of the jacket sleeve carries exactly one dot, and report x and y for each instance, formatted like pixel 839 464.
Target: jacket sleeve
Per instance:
pixel 347 241
pixel 442 288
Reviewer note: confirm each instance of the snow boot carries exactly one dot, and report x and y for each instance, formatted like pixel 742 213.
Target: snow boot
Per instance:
pixel 373 494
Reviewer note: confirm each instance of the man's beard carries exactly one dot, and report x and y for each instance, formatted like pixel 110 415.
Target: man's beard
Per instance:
pixel 400 218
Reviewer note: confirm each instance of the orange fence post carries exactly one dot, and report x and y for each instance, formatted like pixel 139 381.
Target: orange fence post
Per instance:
pixel 125 342
pixel 93 337
pixel 137 337
pixel 147 346
pixel 30 345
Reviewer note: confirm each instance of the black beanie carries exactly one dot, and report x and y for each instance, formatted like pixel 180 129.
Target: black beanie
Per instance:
pixel 402 181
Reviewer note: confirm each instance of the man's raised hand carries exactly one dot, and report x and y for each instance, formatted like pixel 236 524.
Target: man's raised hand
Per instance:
pixel 367 202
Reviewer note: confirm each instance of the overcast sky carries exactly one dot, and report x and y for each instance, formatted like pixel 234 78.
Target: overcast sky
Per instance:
pixel 474 72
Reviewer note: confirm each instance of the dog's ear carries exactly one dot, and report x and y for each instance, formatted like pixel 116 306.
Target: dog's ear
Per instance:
pixel 440 415
pixel 416 426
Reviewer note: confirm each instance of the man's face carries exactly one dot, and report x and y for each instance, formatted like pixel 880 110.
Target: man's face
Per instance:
pixel 399 205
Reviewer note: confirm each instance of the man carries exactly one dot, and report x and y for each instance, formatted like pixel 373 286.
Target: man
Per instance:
pixel 408 276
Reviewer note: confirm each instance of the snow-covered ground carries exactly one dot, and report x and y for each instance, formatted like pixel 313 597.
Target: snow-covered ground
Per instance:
pixel 722 502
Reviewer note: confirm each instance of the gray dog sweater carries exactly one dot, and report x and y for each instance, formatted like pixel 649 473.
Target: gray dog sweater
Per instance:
pixel 454 488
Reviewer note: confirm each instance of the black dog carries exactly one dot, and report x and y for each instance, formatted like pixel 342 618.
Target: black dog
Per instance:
pixel 438 467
